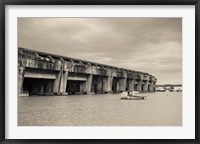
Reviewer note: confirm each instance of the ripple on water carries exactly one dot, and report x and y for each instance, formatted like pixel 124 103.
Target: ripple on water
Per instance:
pixel 159 109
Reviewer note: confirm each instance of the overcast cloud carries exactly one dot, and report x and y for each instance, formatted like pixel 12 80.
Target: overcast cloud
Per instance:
pixel 152 45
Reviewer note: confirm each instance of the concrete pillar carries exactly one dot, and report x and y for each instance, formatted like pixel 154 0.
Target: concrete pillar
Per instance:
pixel 118 87
pixel 139 86
pixel 89 84
pixel 56 83
pixel 131 85
pixel 82 87
pixel 154 86
pixel 107 84
pixel 122 84
pixel 21 71
pixel 111 83
pixel 146 84
pixel 140 82
pixel 125 83
pixel 151 87
pixel 63 82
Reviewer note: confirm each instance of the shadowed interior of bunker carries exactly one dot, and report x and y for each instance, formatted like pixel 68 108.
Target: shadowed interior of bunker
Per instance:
pixel 36 86
pixel 75 85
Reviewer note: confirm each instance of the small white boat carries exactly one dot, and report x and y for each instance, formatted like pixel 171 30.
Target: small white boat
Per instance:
pixel 133 93
pixel 131 96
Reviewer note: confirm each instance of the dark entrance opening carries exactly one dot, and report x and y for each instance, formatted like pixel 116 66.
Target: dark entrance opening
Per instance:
pixel 95 88
pixel 135 87
pixel 74 87
pixel 142 87
pixel 97 84
pixel 37 86
pixel 114 85
pixel 127 84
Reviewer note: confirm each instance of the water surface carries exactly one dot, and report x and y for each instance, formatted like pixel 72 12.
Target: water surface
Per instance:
pixel 159 109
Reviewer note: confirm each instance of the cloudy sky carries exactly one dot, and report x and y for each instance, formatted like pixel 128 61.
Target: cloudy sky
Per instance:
pixel 152 45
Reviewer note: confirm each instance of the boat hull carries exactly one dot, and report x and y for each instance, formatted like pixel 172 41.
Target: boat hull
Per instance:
pixel 133 98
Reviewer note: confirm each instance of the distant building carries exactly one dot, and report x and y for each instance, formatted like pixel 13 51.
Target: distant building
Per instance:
pixel 169 87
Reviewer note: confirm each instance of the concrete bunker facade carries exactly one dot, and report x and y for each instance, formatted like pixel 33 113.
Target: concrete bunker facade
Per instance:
pixel 47 74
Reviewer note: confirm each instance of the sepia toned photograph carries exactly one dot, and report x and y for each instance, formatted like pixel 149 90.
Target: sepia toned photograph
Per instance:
pixel 113 71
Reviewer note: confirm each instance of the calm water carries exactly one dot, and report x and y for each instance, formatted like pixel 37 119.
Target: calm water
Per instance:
pixel 159 109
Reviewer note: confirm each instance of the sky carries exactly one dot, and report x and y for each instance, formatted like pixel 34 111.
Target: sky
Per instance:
pixel 152 45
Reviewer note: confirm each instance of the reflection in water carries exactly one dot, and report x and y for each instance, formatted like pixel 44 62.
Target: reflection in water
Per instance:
pixel 159 109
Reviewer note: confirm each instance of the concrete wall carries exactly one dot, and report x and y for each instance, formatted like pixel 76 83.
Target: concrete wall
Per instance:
pixel 32 64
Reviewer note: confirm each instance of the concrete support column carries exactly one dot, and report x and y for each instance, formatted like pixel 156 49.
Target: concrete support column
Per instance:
pixel 118 87
pixel 139 86
pixel 151 87
pixel 63 82
pixel 121 85
pixel 83 88
pixel 21 71
pixel 146 84
pixel 107 83
pixel 111 83
pixel 89 84
pixel 125 83
pixel 131 85
pixel 56 83
pixel 154 86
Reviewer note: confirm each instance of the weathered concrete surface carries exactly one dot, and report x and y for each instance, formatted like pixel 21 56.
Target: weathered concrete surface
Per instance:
pixel 21 71
pixel 56 83
pixel 89 84
pixel 108 84
pixel 131 85
pixel 145 87
pixel 63 82
pixel 35 73
pixel 84 76
pixel 139 86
